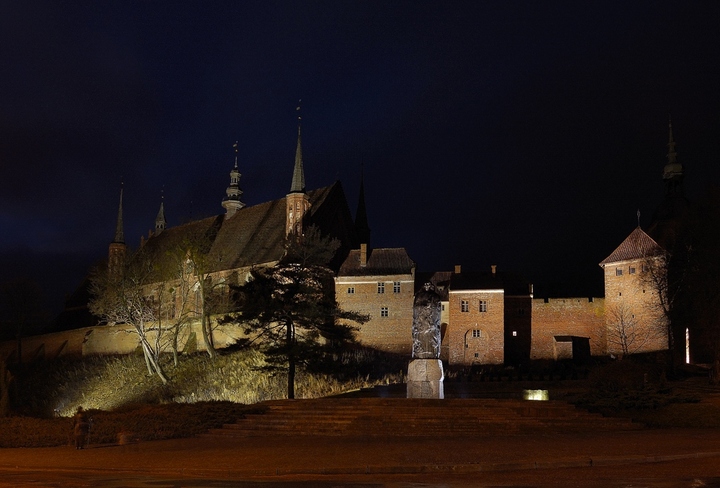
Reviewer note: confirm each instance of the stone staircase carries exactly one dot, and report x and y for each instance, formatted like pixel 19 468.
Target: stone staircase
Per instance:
pixel 402 417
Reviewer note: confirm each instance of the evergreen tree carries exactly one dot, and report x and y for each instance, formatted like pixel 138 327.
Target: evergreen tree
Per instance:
pixel 290 311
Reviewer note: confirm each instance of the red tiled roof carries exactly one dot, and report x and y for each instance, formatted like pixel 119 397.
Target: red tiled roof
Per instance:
pixel 637 245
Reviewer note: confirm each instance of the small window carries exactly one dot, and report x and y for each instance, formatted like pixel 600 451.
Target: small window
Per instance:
pixel 442 307
pixel 477 333
pixel 464 306
pixel 483 305
pixel 514 333
pixel 351 290
pixel 396 287
pixel 477 354
pixel 384 312
pixel 618 271
pixel 631 270
pixel 381 288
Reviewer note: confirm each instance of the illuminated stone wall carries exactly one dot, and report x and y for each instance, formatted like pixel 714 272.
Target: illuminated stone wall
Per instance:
pixel 580 317
pixel 105 340
pixel 476 336
pixel 634 318
pixel 392 333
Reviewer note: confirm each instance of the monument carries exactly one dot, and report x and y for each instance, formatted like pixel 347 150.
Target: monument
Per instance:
pixel 425 371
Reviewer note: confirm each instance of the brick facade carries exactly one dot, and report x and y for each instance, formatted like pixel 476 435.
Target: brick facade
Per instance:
pixel 388 300
pixel 634 319
pixel 576 317
pixel 476 327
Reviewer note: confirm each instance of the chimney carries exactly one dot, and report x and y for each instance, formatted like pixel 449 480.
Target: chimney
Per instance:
pixel 493 268
pixel 457 269
pixel 363 255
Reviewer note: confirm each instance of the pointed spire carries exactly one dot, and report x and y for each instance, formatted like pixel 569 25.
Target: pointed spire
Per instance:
pixel 160 222
pixel 298 179
pixel 362 229
pixel 119 233
pixel 233 199
pixel 673 171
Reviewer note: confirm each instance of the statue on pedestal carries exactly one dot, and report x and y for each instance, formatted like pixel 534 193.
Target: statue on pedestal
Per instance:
pixel 425 371
pixel 426 323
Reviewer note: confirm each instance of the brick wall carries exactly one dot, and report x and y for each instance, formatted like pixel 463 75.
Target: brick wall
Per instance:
pixel 580 317
pixel 633 308
pixel 476 336
pixel 106 339
pixel 393 332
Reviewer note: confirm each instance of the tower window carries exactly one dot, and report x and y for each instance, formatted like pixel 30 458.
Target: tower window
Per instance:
pixel 483 306
pixel 381 288
pixel 631 270
pixel 464 306
pixel 618 271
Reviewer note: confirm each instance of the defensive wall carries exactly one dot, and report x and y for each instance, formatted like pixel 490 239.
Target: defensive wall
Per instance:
pixel 567 317
pixel 553 322
pixel 109 339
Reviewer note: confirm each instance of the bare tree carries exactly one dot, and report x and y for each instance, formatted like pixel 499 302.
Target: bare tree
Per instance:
pixel 132 299
pixel 630 335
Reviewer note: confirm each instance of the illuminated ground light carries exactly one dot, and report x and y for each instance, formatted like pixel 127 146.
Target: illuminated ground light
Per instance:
pixel 536 395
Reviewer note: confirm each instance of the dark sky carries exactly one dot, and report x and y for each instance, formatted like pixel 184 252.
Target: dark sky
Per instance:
pixel 522 134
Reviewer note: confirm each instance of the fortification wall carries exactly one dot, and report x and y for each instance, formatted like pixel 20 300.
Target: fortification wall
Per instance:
pixel 581 317
pixel 110 339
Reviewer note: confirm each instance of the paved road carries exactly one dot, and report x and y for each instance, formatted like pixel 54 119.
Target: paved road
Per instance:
pixel 645 458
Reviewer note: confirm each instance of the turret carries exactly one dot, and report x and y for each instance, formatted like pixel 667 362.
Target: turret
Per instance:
pixel 160 222
pixel 673 171
pixel 233 199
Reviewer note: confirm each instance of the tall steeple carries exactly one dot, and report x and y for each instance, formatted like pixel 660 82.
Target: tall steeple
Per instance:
pixel 233 199
pixel 119 232
pixel 298 202
pixel 117 248
pixel 160 222
pixel 673 171
pixel 298 179
pixel 362 229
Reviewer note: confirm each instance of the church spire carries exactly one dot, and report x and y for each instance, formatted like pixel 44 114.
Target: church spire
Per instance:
pixel 117 248
pixel 362 229
pixel 160 222
pixel 673 171
pixel 233 199
pixel 119 232
pixel 297 200
pixel 298 179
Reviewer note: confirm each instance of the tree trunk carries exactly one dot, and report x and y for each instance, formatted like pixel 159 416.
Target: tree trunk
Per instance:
pixel 149 357
pixel 291 361
pixel 207 335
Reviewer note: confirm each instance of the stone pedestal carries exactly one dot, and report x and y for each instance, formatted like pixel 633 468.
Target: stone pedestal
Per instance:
pixel 425 379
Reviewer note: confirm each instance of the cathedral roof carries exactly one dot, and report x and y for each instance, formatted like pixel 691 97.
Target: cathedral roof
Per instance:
pixel 637 245
pixel 255 235
pixel 383 261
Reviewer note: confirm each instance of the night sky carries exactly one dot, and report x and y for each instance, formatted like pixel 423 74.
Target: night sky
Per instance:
pixel 522 134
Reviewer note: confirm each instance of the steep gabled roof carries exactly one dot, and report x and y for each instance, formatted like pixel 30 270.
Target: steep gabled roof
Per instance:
pixel 637 245
pixel 255 235
pixel 380 262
